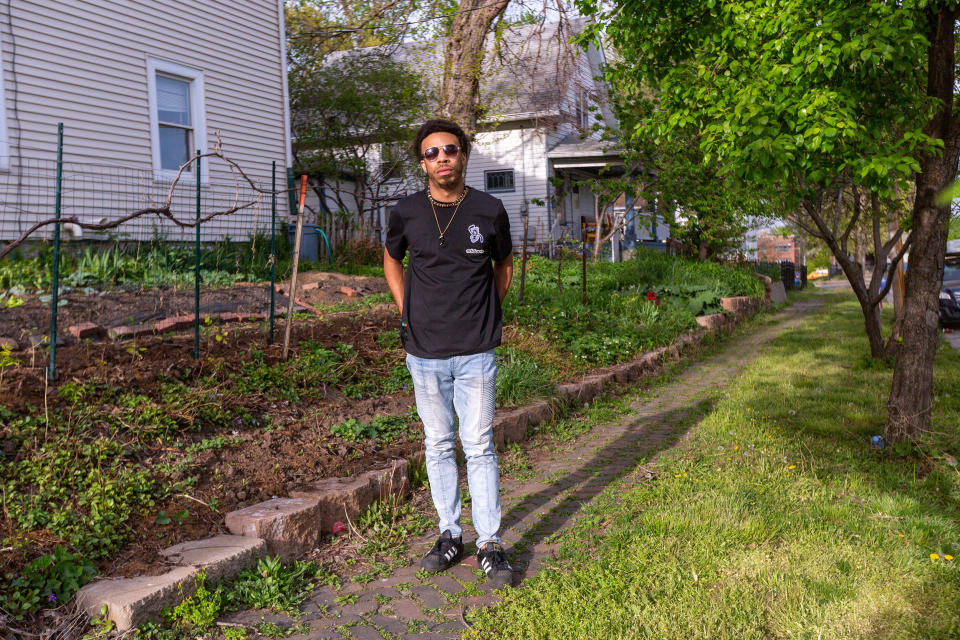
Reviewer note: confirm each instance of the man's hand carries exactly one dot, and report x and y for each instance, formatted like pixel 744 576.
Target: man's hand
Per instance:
pixel 502 275
pixel 393 272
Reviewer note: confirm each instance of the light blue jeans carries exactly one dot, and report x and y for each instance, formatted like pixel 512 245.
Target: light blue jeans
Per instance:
pixel 467 385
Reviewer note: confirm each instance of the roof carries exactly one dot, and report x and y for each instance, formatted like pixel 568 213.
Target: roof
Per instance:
pixel 575 153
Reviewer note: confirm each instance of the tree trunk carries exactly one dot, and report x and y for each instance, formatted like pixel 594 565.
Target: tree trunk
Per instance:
pixel 911 394
pixel 702 251
pixel 462 60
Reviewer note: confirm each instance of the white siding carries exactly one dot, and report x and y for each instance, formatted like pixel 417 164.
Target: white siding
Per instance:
pixel 524 151
pixel 85 64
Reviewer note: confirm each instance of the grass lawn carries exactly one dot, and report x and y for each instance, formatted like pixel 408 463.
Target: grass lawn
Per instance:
pixel 774 519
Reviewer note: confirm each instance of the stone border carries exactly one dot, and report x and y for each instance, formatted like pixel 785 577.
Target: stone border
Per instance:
pixel 291 526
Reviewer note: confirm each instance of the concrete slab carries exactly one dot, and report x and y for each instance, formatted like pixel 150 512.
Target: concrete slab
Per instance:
pixel 132 601
pixel 290 526
pixel 220 556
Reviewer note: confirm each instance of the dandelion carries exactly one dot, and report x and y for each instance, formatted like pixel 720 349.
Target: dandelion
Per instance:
pixel 934 556
pixel 947 556
pixel 736 448
pixel 793 466
pixel 900 535
pixel 676 475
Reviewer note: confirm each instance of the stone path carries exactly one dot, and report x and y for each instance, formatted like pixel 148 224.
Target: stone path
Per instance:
pixel 410 604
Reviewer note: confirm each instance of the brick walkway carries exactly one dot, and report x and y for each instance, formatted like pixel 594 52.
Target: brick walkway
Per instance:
pixel 566 478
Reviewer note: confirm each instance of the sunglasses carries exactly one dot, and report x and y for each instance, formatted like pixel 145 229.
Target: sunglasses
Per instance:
pixel 432 153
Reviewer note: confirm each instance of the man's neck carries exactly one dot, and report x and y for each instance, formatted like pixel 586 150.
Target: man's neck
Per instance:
pixel 446 194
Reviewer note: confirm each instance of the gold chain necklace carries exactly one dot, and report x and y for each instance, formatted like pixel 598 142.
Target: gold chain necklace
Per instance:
pixel 443 231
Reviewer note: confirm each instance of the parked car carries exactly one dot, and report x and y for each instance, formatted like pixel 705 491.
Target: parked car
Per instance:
pixel 950 292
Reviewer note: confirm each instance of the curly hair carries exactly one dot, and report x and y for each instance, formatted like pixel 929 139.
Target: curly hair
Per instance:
pixel 437 126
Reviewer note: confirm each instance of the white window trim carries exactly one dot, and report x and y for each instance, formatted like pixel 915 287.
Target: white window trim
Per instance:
pixel 197 114
pixel 4 140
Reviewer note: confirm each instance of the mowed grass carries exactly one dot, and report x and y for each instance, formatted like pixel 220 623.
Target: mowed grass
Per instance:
pixel 774 519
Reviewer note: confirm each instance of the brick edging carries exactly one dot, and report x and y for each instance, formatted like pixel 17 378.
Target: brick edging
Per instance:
pixel 292 525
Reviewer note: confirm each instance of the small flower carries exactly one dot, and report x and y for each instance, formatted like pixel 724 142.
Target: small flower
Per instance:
pixel 51 598
pixel 676 475
pixel 793 466
pixel 657 302
pixel 934 556
pixel 947 556
pixel 900 535
pixel 736 448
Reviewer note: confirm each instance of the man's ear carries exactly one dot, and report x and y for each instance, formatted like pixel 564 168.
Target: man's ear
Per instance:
pixel 423 166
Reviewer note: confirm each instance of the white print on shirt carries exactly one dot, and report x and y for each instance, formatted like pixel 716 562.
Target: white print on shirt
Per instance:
pixel 475 235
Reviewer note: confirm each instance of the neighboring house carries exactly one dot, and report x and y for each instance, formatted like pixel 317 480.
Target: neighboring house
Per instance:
pixel 139 87
pixel 779 249
pixel 543 95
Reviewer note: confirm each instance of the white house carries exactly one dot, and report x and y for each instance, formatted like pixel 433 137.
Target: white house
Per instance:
pixel 139 87
pixel 543 96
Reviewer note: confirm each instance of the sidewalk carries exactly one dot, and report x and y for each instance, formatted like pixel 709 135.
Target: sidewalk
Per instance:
pixel 565 479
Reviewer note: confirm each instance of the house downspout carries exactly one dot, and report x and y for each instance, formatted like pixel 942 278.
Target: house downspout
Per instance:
pixel 287 147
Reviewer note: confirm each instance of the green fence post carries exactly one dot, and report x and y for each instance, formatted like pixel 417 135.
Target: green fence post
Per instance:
pixel 196 273
pixel 55 294
pixel 273 249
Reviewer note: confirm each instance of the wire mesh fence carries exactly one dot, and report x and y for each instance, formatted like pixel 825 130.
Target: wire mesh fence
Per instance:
pixel 98 193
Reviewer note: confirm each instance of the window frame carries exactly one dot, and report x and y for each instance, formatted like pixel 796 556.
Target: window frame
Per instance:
pixel 486 180
pixel 194 78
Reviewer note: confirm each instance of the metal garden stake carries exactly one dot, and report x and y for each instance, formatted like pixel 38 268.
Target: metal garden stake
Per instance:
pixel 55 283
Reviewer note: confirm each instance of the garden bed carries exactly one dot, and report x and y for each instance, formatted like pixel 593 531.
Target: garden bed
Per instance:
pixel 139 446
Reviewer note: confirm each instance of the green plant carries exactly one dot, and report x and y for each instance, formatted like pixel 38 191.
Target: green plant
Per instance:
pixel 275 586
pixel 6 361
pixel 100 626
pixel 234 633
pixel 48 581
pixel 519 377
pixel 388 523
pixel 197 612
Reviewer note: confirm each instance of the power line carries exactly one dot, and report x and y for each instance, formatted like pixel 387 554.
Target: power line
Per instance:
pixel 346 30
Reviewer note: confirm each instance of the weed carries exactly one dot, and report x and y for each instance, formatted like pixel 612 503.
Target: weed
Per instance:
pixel 519 377
pixel 275 586
pixel 6 361
pixel 388 523
pixel 100 626
pixel 346 599
pixel 234 633
pixel 197 612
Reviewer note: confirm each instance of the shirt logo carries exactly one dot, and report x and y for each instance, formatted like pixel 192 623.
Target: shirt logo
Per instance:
pixel 475 235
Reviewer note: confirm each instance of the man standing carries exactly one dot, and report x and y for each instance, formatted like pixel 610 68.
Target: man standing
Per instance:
pixel 459 270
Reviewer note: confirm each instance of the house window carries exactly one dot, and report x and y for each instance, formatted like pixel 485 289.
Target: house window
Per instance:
pixel 391 157
pixel 176 117
pixel 499 180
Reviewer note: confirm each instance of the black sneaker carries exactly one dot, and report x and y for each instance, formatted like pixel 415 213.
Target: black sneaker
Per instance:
pixel 446 553
pixel 493 562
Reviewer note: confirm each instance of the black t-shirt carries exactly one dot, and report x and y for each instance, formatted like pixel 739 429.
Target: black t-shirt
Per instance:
pixel 450 301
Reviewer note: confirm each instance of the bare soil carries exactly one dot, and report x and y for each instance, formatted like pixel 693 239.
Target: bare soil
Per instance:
pixel 296 448
pixel 136 305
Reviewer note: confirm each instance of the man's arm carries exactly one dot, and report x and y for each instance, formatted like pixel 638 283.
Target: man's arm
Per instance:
pixel 502 275
pixel 393 272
